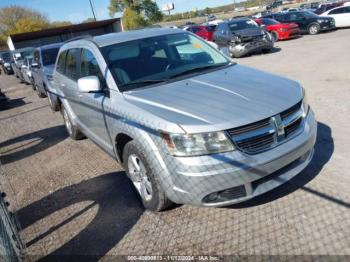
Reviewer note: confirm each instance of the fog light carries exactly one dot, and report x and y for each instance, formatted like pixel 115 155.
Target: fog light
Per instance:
pixel 212 197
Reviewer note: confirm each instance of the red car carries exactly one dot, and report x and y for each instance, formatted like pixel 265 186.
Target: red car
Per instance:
pixel 204 31
pixel 279 31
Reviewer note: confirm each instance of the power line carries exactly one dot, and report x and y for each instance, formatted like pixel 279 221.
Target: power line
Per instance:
pixel 93 11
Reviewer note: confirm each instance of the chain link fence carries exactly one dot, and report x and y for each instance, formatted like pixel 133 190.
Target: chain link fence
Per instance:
pixel 11 245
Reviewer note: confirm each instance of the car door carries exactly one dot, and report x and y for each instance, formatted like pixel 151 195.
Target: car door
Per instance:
pixel 339 15
pixel 69 82
pixel 35 70
pixel 90 109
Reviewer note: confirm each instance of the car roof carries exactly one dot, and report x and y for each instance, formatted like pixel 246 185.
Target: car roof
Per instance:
pixel 240 19
pixel 115 38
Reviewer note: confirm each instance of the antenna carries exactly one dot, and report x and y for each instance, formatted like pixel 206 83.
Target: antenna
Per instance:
pixel 92 9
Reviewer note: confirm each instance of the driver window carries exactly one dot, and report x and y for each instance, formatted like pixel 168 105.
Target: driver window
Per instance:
pixel 89 65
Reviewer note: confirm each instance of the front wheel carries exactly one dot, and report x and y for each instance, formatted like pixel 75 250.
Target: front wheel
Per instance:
pixel 274 36
pixel 314 29
pixel 72 130
pixel 143 176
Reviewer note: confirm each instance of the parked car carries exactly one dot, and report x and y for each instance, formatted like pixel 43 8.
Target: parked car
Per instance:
pixel 308 22
pixel 42 67
pixel 18 59
pixel 310 6
pixel 204 31
pixel 26 70
pixel 242 36
pixel 273 5
pixel 327 6
pixel 278 30
pixel 188 124
pixel 6 63
pixel 211 18
pixel 340 14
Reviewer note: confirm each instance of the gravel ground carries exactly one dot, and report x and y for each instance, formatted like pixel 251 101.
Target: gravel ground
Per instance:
pixel 71 198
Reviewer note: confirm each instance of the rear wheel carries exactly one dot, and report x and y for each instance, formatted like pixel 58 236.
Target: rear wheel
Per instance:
pixel 72 130
pixel 314 29
pixel 143 176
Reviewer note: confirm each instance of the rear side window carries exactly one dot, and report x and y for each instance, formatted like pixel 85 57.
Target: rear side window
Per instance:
pixel 71 70
pixel 337 11
pixel 37 56
pixel 89 65
pixel 61 62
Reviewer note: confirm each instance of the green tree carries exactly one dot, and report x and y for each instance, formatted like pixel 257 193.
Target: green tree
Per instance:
pixel 15 19
pixel 207 10
pixel 136 13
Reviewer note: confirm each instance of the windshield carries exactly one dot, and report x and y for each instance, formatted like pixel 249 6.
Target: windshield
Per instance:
pixel 49 56
pixel 6 57
pixel 145 61
pixel 239 25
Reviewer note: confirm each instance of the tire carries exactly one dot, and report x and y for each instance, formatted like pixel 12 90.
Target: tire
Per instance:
pixel 40 94
pixel 72 130
pixel 266 51
pixel 274 36
pixel 314 29
pixel 54 106
pixel 154 197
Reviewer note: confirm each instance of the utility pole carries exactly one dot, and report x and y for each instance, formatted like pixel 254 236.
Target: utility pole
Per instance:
pixel 92 9
pixel 234 5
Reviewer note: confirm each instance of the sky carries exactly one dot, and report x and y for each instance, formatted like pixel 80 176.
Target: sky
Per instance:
pixel 79 10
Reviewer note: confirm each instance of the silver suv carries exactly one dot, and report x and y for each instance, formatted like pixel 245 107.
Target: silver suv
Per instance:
pixel 188 124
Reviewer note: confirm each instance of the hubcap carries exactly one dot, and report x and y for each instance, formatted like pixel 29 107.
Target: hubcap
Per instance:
pixel 138 175
pixel 313 29
pixel 67 122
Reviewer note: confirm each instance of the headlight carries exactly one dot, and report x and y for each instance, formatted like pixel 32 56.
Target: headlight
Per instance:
pixel 321 21
pixel 6 64
pixel 197 144
pixel 305 105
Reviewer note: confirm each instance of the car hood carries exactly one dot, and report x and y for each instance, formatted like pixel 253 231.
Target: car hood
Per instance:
pixel 249 32
pixel 48 69
pixel 219 100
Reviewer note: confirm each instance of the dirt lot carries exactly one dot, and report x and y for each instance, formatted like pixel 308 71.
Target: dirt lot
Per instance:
pixel 71 198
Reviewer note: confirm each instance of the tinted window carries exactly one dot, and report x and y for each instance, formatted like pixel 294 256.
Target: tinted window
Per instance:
pixel 89 65
pixel 61 62
pixel 347 9
pixel 71 64
pixel 195 29
pixel 268 21
pixel 49 56
pixel 37 56
pixel 337 11
pixel 211 28
pixel 239 25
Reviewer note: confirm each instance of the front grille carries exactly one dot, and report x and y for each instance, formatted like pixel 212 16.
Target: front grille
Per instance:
pixel 290 129
pixel 291 110
pixel 262 135
pixel 257 143
pixel 250 127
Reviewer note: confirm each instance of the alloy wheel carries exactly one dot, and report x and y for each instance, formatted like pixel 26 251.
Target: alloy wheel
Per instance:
pixel 139 178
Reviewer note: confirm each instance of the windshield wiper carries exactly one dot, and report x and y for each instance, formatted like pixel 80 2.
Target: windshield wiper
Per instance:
pixel 198 69
pixel 146 81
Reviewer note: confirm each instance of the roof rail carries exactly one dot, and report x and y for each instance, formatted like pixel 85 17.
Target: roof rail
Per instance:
pixel 78 38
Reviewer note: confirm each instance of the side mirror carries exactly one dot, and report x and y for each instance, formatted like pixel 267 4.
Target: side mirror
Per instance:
pixel 89 84
pixel 35 65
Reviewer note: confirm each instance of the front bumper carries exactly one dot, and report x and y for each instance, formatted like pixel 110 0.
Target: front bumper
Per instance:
pixel 189 180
